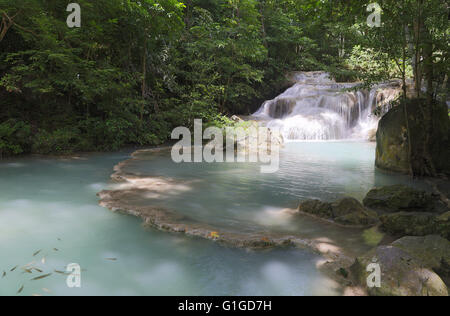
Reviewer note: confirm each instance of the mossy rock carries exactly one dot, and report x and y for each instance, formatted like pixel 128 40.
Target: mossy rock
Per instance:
pixel 398 198
pixel 346 211
pixel 358 219
pixel 433 251
pixel 401 274
pixel 409 224
pixel 347 206
pixel 443 225
pixel 317 208
pixel 392 152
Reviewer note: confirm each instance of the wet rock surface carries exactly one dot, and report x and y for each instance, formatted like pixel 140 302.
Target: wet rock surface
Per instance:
pixel 401 274
pixel 433 252
pixel 399 198
pixel 405 211
pixel 392 152
pixel 347 211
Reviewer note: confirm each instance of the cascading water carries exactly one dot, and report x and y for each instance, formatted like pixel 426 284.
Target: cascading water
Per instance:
pixel 318 108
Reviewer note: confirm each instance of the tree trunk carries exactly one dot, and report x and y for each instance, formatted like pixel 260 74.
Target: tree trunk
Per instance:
pixel 427 108
pixel 144 82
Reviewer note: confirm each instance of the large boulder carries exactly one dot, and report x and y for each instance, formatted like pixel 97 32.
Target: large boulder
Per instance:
pixel 346 211
pixel 409 224
pixel 317 208
pixel 393 150
pixel 398 198
pixel 416 224
pixel 401 274
pixel 349 211
pixel 433 251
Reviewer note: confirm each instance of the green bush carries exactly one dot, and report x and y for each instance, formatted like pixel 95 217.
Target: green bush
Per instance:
pixel 14 137
pixel 60 141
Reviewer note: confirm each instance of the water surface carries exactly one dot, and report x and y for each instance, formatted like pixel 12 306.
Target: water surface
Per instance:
pixel 51 205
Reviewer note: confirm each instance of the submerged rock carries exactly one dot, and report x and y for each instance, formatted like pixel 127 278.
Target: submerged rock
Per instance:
pixel 398 198
pixel 346 211
pixel 400 274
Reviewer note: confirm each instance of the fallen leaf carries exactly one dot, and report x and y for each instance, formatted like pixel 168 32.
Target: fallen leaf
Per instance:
pixel 214 235
pixel 61 272
pixel 41 277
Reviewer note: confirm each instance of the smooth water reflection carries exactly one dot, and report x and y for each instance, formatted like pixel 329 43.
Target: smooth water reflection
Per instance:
pixel 51 204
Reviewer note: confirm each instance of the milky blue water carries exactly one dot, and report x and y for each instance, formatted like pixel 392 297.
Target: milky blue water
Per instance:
pixel 50 205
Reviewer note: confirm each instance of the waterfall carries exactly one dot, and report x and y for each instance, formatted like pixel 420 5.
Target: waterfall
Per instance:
pixel 318 108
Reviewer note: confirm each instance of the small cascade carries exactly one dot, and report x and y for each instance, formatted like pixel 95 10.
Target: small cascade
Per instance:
pixel 318 108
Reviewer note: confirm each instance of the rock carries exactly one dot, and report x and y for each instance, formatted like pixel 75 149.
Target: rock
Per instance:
pixel 347 206
pixel 236 119
pixel 409 224
pixel 443 225
pixel 401 274
pixel 433 251
pixel 317 208
pixel 357 219
pixel 372 136
pixel 346 211
pixel 399 198
pixel 392 152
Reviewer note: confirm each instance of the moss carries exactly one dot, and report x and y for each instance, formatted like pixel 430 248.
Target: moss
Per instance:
pixel 409 224
pixel 398 198
pixel 392 152
pixel 373 236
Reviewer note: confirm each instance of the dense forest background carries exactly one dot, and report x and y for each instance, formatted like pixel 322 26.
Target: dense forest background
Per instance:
pixel 134 70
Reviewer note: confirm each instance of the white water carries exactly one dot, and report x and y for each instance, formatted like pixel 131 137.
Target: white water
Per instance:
pixel 318 108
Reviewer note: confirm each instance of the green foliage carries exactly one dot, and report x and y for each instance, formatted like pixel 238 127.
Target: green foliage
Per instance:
pixel 137 69
pixel 13 137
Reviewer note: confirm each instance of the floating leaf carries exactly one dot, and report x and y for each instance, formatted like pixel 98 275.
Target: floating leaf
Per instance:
pixel 61 272
pixel 214 235
pixel 41 277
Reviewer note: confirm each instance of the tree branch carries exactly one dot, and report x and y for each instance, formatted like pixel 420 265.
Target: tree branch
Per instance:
pixel 8 22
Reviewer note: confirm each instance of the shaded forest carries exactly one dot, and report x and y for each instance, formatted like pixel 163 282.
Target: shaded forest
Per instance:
pixel 134 70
